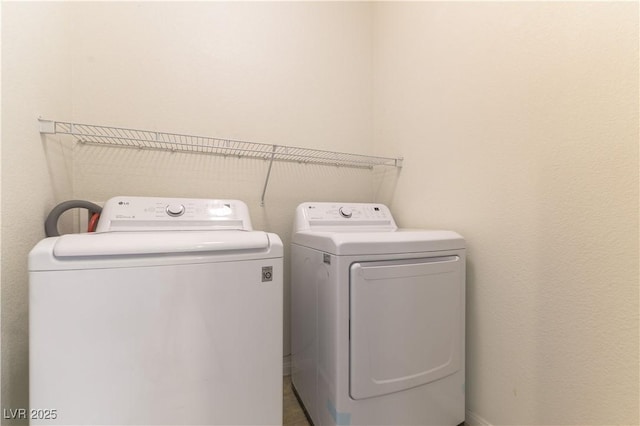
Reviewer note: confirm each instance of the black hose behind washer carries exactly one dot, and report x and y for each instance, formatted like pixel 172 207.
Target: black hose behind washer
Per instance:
pixel 51 224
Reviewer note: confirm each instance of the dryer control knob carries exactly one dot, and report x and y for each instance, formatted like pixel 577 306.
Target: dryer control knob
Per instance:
pixel 175 210
pixel 345 212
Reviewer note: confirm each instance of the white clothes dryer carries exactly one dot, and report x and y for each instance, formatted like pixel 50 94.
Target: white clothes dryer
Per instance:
pixel 170 314
pixel 378 318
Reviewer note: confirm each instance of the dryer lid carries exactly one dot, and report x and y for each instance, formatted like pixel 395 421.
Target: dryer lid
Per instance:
pixel 400 241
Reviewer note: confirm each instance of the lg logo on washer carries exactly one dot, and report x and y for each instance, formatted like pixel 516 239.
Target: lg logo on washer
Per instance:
pixel 267 273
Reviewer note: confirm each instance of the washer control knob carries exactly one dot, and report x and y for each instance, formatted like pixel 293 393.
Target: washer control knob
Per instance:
pixel 345 212
pixel 175 210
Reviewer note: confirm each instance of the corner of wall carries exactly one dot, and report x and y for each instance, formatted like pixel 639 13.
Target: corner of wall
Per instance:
pixel 35 81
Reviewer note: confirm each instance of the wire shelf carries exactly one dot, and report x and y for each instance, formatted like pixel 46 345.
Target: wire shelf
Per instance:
pixel 145 139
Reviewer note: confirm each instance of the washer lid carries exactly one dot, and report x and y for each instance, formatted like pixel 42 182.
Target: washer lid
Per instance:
pixel 124 249
pixel 140 243
pixel 400 241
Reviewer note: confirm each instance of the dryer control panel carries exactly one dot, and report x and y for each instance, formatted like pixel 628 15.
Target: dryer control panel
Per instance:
pixel 153 214
pixel 343 216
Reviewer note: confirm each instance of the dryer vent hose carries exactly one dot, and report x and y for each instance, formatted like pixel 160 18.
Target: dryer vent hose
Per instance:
pixel 51 224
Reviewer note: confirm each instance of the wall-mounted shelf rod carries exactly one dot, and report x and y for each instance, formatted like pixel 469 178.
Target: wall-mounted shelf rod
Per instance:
pixel 147 139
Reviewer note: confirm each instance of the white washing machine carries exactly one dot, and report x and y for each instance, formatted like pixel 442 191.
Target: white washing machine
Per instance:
pixel 378 318
pixel 170 314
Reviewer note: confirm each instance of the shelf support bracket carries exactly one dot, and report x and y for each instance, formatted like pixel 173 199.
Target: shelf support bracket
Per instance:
pixel 266 180
pixel 47 126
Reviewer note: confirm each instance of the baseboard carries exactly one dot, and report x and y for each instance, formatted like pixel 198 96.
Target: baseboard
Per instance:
pixel 286 365
pixel 475 420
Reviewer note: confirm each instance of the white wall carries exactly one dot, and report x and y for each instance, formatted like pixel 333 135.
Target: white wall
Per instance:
pixel 35 80
pixel 519 125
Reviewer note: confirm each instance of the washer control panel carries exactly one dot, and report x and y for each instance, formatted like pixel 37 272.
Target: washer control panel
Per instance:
pixel 347 216
pixel 150 213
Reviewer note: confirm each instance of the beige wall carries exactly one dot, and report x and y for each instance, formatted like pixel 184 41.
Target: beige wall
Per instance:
pixel 519 125
pixel 35 80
